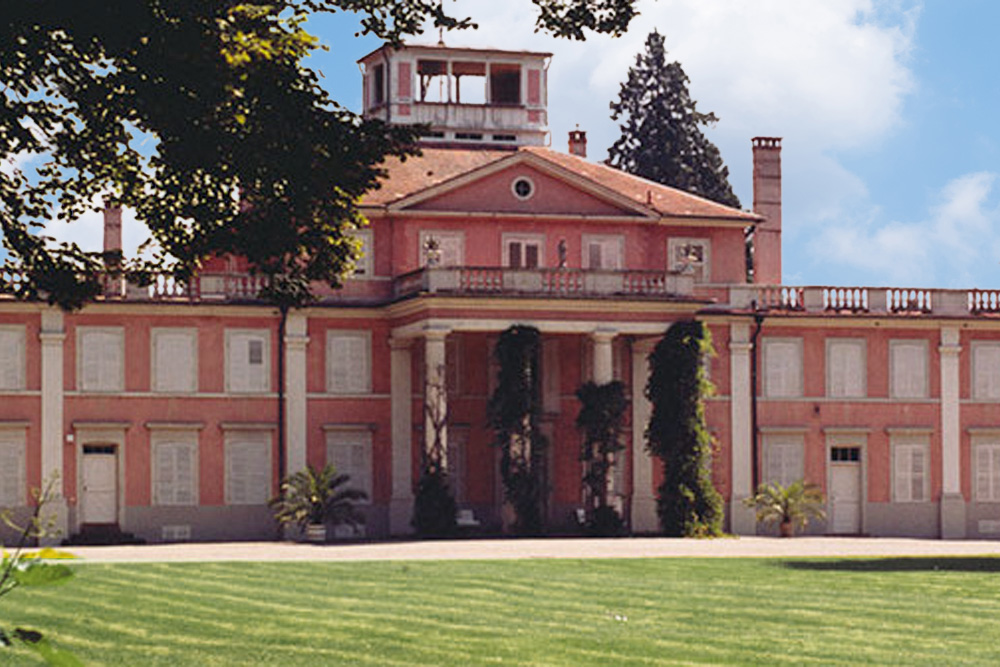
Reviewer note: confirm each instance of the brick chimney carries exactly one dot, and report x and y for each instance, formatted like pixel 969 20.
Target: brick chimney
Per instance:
pixel 767 203
pixel 112 226
pixel 578 143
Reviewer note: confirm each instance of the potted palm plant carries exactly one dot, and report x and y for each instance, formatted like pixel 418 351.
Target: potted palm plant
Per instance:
pixel 314 499
pixel 791 507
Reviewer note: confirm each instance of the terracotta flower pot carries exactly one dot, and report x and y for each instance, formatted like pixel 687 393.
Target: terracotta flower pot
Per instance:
pixel 316 532
pixel 786 529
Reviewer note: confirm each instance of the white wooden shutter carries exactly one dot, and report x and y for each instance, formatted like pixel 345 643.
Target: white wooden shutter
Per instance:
pixel 903 484
pixel 175 473
pixel 909 369
pixel 248 468
pixel 349 366
pixel 175 361
pixel 784 460
pixel 12 358
pixel 783 369
pixel 986 371
pixel 11 473
pixel 248 361
pixel 846 368
pixel 101 365
pixel 451 250
pixel 987 473
pixel 350 454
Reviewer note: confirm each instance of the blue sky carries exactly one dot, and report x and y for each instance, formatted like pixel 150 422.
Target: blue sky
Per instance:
pixel 888 110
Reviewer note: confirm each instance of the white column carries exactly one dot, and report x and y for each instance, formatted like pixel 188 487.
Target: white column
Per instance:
pixel 952 501
pixel 741 518
pixel 603 357
pixel 296 434
pixel 435 391
pixel 644 519
pixel 52 336
pixel 401 504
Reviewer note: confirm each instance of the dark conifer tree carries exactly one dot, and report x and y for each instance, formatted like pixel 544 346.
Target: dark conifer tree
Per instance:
pixel 661 129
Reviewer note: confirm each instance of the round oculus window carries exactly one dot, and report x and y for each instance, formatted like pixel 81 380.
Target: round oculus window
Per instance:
pixel 523 188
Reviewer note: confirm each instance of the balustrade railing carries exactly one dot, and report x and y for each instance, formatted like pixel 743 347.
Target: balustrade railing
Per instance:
pixel 861 300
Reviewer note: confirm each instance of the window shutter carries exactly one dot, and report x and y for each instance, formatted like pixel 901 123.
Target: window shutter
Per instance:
pixel 903 484
pixel 175 361
pixel 249 470
pixel 11 474
pixel 239 372
pixel 783 369
pixel 349 365
pixel 350 454
pixel 111 362
pixel 11 359
pixel 784 462
pixel 909 370
pixel 451 250
pixel 918 472
pixel 987 372
pixel 165 474
pixel 982 473
pixel 846 369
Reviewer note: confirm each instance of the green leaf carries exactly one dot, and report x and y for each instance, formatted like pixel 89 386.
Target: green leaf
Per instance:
pixel 37 642
pixel 38 573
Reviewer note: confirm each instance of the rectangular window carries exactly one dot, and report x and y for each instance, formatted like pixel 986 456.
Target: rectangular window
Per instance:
pixel 911 478
pixel 690 255
pixel 846 367
pixel 100 358
pixel 908 368
pixel 783 458
pixel 348 362
pixel 522 252
pixel 12 468
pixel 782 361
pixel 248 368
pixel 505 84
pixel 175 360
pixel 378 85
pixel 987 462
pixel 602 252
pixel 442 248
pixel 350 451
pixel 248 467
pixel 986 371
pixel 175 468
pixel 12 359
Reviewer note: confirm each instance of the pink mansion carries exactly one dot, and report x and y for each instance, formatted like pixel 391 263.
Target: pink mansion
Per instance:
pixel 162 410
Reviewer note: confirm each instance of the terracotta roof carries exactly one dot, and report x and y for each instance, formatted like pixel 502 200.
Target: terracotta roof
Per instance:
pixel 665 200
pixel 438 165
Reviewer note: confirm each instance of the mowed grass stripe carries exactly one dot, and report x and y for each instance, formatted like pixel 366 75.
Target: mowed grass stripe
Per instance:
pixel 637 612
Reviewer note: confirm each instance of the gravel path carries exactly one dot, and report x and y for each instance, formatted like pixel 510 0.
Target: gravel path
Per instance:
pixel 548 548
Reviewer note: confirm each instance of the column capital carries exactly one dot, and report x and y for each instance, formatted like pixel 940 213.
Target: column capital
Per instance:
pixel 296 342
pixel 436 333
pixel 400 343
pixel 603 335
pixel 739 348
pixel 644 345
pixel 950 350
pixel 52 337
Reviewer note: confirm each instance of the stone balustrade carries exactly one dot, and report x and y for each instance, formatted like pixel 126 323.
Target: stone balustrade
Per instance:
pixel 544 283
pixel 865 300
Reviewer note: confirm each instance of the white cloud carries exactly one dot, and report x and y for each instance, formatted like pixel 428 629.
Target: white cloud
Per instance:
pixel 958 240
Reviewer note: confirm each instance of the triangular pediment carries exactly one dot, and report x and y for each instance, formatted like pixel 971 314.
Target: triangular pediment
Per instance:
pixel 522 184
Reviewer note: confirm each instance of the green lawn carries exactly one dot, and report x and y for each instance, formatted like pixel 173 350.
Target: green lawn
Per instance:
pixel 559 612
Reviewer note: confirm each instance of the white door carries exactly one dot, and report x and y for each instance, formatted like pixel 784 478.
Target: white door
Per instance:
pixel 845 498
pixel 100 485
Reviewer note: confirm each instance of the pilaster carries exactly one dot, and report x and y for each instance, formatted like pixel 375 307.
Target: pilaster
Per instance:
pixel 52 337
pixel 644 519
pixel 603 357
pixel 952 501
pixel 741 518
pixel 296 434
pixel 401 503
